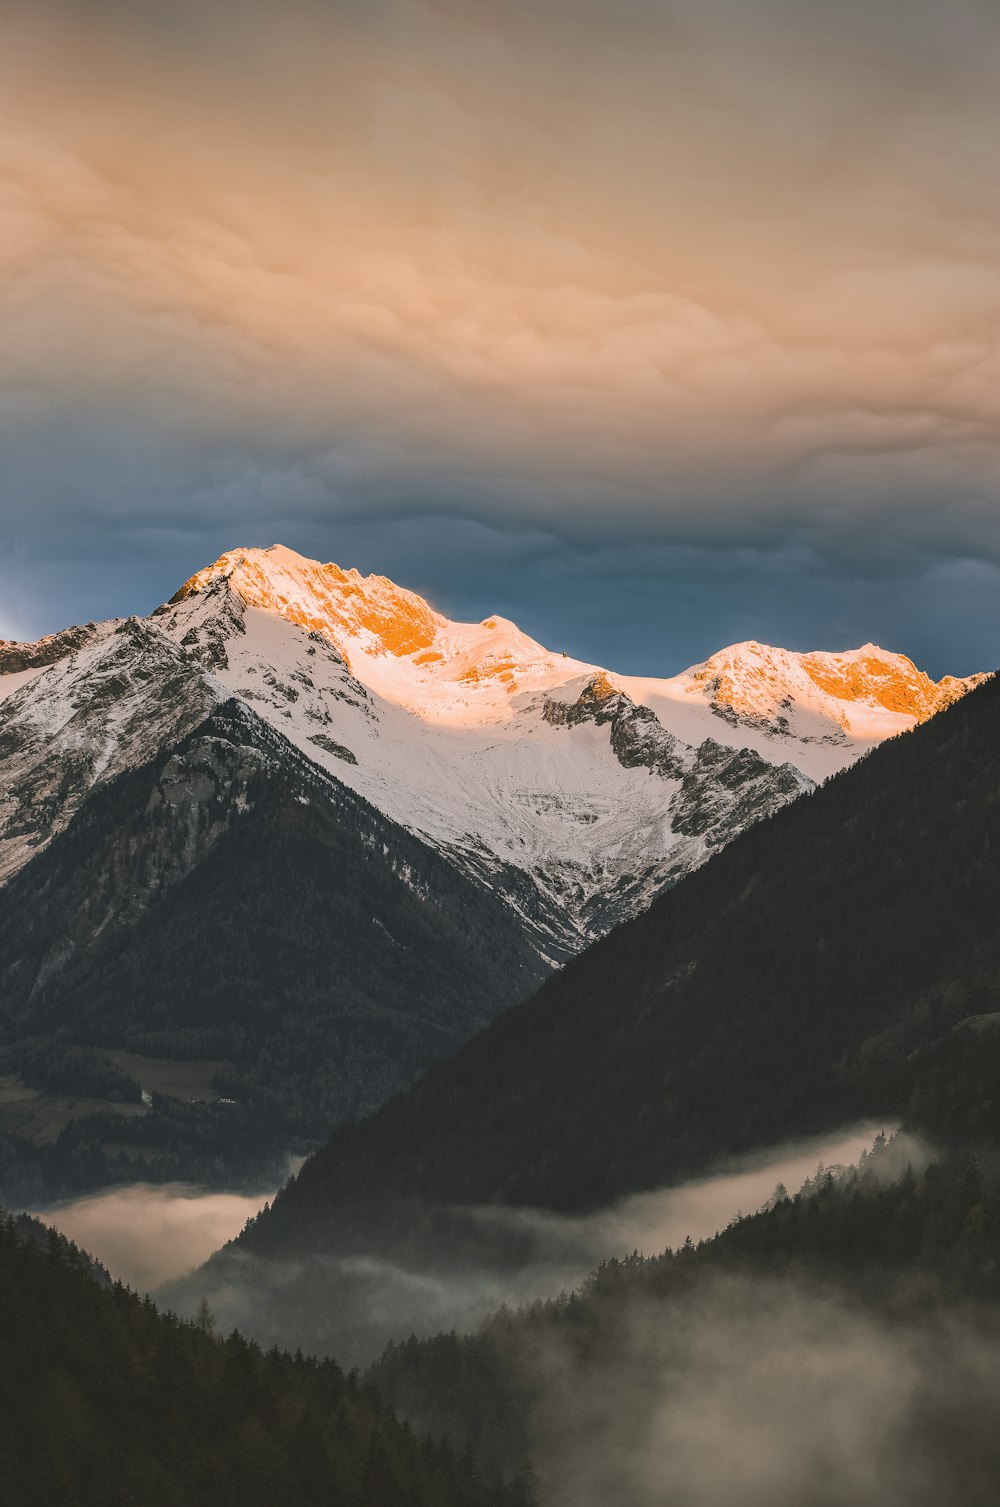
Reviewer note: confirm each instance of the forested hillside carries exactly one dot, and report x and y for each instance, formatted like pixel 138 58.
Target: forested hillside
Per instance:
pixel 905 1256
pixel 839 960
pixel 105 1402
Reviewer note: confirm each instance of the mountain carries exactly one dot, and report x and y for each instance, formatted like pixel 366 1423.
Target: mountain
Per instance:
pixel 574 794
pixel 229 907
pixel 302 834
pixel 104 1400
pixel 839 960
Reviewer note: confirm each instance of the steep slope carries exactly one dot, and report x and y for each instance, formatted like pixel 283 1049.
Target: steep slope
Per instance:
pixel 112 697
pixel 840 959
pixel 228 903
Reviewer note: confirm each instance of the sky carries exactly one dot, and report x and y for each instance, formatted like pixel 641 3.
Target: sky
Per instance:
pixel 651 324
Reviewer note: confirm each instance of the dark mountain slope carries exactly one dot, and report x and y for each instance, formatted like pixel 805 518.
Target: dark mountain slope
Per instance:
pixel 104 1401
pixel 814 971
pixel 230 903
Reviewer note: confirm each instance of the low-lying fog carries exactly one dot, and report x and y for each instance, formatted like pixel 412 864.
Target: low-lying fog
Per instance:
pixel 351 1306
pixel 749 1390
pixel 753 1392
pixel 649 1222
pixel 146 1234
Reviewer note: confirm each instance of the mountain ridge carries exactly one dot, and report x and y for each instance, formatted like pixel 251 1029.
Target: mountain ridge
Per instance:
pixel 389 620
pixel 576 794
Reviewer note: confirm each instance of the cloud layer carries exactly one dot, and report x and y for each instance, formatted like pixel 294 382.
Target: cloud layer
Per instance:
pixel 694 304
pixel 479 1258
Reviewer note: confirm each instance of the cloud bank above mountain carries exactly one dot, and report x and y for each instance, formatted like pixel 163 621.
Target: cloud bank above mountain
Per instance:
pixel 680 315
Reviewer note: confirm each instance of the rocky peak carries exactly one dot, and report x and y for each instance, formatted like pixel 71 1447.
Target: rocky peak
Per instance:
pixel 599 701
pixel 876 677
pixel 759 686
pixel 342 605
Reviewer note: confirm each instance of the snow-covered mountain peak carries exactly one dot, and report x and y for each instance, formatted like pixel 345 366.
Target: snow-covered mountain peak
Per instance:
pixel 392 638
pixel 875 677
pixel 817 709
pixel 372 612
pixel 856 695
pixel 575 793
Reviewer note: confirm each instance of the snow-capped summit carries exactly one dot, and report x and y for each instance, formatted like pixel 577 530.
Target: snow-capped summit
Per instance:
pixel 380 616
pixel 575 793
pixel 827 707
pixel 753 680
pixel 417 657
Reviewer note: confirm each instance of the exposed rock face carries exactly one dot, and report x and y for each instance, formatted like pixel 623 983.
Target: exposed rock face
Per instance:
pixel 728 789
pixel 638 738
pixel 15 657
pixel 720 791
pixel 207 639
pixel 198 793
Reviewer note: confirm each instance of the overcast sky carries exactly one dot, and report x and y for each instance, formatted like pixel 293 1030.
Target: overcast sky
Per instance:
pixel 653 324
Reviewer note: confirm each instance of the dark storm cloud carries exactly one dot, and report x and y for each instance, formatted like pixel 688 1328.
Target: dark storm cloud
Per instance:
pixel 654 325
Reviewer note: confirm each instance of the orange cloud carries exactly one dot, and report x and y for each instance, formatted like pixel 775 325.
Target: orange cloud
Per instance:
pixel 674 249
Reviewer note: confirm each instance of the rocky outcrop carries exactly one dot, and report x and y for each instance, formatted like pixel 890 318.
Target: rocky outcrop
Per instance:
pixel 221 619
pixel 15 656
pixel 638 738
pixel 722 790
pixel 728 789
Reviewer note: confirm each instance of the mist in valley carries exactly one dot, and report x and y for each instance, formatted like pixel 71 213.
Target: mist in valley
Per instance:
pixel 768 1393
pixel 352 1305
pixel 752 1390
pixel 148 1234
